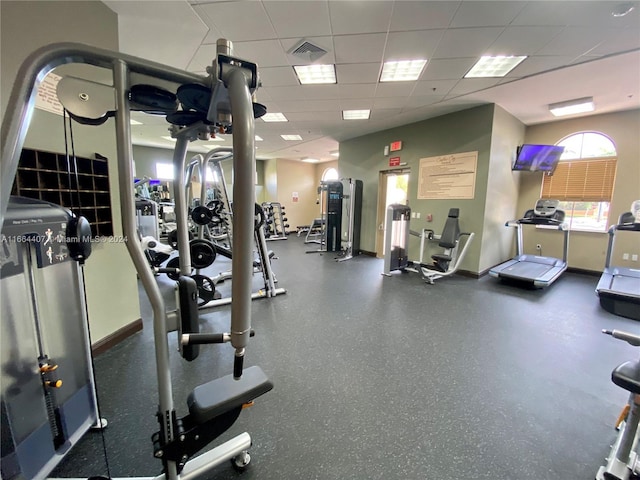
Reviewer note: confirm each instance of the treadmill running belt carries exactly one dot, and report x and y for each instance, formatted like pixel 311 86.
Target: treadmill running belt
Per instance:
pixel 626 285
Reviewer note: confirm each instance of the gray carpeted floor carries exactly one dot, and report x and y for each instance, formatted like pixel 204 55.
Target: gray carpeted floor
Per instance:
pixel 389 378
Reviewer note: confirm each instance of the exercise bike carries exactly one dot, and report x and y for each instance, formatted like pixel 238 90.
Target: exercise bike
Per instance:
pixel 622 463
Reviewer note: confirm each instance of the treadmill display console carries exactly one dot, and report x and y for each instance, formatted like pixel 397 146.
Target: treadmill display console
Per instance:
pixel 546 207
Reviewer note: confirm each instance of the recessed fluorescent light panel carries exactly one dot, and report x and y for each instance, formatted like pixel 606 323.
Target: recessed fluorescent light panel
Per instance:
pixel 315 74
pixel 166 137
pixel 356 114
pixel 259 138
pixel 291 137
pixel 274 117
pixel 402 71
pixel 497 66
pixel 134 122
pixel 335 153
pixel 310 160
pixel 570 107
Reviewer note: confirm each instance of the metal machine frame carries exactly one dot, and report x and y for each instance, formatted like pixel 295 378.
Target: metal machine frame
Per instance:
pixel 548 269
pixel 232 85
pixel 619 287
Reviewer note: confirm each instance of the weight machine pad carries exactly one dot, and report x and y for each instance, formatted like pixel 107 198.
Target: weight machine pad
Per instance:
pixel 224 394
pixel 627 376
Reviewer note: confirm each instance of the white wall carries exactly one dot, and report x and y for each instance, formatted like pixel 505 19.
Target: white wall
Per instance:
pixel 112 294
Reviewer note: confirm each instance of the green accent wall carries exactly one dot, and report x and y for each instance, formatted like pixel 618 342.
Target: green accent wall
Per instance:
pixel 465 131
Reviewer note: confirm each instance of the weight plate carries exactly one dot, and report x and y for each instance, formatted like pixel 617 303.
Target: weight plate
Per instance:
pixel 186 118
pixel 195 97
pixel 206 289
pixel 153 100
pixel 258 110
pixel 174 263
pixel 202 253
pixel 172 238
pixel 201 215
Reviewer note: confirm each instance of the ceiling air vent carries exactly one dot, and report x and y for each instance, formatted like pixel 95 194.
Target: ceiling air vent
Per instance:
pixel 307 51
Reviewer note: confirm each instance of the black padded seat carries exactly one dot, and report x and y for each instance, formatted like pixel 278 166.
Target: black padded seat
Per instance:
pixel 627 376
pixel 441 257
pixel 224 394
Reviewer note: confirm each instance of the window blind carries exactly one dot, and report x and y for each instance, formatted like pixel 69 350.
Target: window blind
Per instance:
pixel 581 181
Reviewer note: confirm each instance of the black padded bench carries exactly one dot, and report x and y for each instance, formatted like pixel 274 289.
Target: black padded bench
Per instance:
pixel 627 376
pixel 223 394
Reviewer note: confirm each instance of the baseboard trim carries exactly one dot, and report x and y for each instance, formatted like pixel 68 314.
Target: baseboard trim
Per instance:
pixel 368 253
pixel 584 271
pixel 470 274
pixel 116 337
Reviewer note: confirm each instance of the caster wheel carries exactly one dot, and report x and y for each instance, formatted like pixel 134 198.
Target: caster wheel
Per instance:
pixel 241 462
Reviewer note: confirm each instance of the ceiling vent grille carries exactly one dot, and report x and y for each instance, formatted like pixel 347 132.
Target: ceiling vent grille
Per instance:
pixel 307 51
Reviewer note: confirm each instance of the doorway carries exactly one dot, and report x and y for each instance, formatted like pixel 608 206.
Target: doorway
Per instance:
pixel 393 187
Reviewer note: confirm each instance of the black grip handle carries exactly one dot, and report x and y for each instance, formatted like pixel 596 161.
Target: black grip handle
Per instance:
pixel 238 363
pixel 205 338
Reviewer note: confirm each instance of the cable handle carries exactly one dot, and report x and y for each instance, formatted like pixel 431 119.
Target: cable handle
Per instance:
pixel 630 338
pixel 207 338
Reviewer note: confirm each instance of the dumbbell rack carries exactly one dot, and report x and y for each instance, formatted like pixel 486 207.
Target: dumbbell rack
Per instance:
pixel 276 226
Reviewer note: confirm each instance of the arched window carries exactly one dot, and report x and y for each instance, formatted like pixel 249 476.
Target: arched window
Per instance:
pixel 330 174
pixel 583 180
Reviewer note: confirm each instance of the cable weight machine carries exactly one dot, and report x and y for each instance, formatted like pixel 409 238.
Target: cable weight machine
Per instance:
pixel 225 93
pixel 334 210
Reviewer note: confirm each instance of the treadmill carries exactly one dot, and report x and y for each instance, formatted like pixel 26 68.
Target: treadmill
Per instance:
pixel 619 287
pixel 536 270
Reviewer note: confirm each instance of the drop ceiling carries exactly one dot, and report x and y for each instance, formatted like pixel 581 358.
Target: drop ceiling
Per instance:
pixel 574 49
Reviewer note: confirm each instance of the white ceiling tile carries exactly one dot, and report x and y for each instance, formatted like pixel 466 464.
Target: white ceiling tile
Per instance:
pixel 412 15
pixel 536 64
pixel 395 89
pixel 546 13
pixel 322 105
pixel 314 116
pixel 442 87
pixel 599 14
pixel 266 53
pixel 283 106
pixel 620 41
pixel 417 101
pixel 466 42
pixel 303 92
pixel 213 34
pixel 357 90
pixel 238 21
pixel 448 68
pixel 286 93
pixel 359 48
pixel 412 45
pixel 384 113
pixel 356 103
pixel 577 13
pixel 468 85
pixel 574 41
pixel 278 76
pixel 486 14
pixel 203 58
pixel 390 102
pixel 522 40
pixel 358 73
pixel 359 16
pixel 299 19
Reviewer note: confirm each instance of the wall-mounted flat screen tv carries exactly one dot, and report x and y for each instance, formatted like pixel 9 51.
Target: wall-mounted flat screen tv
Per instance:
pixel 537 158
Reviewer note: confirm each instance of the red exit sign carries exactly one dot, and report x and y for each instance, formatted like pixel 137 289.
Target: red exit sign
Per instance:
pixel 395 146
pixel 394 161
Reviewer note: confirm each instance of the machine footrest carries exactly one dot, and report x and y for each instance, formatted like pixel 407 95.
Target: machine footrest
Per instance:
pixel 224 394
